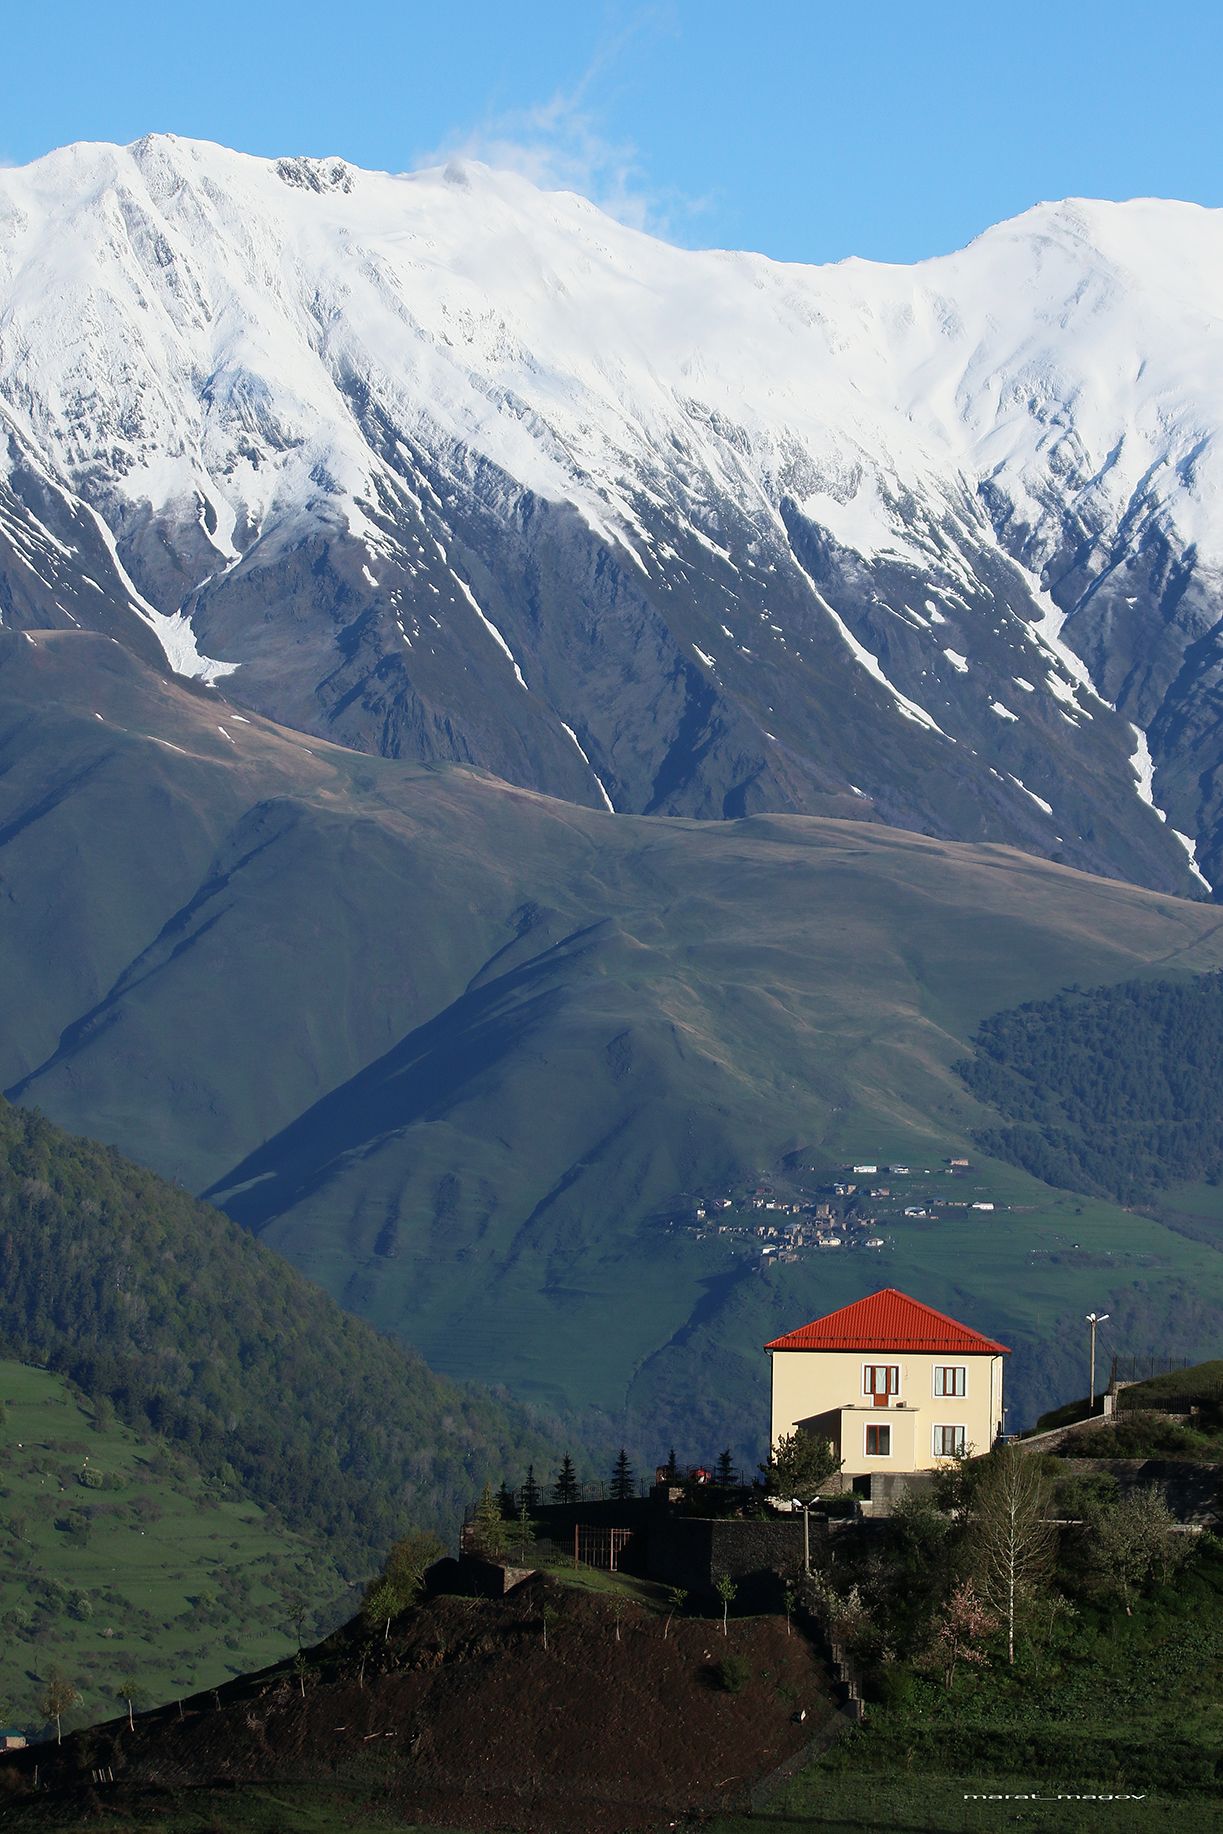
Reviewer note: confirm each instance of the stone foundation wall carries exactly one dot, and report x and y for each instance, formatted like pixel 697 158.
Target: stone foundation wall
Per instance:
pixel 691 1551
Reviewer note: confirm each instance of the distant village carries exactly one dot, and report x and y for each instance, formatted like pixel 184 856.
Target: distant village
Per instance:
pixel 852 1210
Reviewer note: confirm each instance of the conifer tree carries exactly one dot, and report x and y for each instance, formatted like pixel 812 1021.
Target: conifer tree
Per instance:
pixel 725 1474
pixel 565 1489
pixel 488 1532
pixel 623 1484
pixel 522 1532
pixel 507 1502
pixel 528 1496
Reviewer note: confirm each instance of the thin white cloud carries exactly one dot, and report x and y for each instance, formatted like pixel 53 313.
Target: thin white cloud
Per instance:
pixel 558 145
pixel 562 144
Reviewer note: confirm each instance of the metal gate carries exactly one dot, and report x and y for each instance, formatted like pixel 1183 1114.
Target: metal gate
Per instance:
pixel 599 1547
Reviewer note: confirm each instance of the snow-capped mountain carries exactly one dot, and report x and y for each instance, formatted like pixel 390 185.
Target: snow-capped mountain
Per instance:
pixel 449 467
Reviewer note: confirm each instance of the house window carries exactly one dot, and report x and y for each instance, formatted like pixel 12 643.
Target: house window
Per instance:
pixel 951 1380
pixel 878 1442
pixel 879 1380
pixel 948 1442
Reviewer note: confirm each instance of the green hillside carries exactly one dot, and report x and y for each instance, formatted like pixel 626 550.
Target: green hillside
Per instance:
pixel 197 1333
pixel 1118 1090
pixel 121 1560
pixel 1113 1720
pixel 1111 1711
pixel 457 1050
pixel 1091 1694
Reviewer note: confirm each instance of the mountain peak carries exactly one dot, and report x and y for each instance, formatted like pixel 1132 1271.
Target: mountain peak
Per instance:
pixel 287 395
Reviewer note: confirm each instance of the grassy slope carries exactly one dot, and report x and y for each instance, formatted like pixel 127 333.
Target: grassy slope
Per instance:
pixel 1112 1705
pixel 279 1809
pixel 1033 1271
pixel 450 1046
pixel 159 1543
pixel 196 1331
pixel 1115 1704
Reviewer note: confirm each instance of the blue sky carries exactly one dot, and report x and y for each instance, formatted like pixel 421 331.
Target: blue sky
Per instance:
pixel 810 131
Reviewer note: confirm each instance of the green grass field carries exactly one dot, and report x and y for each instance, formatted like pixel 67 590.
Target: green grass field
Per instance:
pixel 845 1802
pixel 152 1576
pixel 273 1809
pixel 1107 1705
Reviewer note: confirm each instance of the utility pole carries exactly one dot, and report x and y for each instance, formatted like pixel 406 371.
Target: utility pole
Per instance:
pixel 1094 1319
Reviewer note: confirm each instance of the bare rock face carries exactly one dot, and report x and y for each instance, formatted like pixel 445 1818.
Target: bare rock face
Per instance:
pixel 447 468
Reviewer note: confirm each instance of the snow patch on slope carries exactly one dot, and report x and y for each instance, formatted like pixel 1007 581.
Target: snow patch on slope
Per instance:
pixel 871 664
pixel 607 801
pixel 1143 766
pixel 490 627
pixel 173 631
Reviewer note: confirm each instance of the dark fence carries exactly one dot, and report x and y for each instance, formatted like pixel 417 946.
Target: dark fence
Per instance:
pixel 1143 1368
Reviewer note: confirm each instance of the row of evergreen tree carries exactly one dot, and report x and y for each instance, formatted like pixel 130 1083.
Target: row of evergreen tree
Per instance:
pixel 566 1487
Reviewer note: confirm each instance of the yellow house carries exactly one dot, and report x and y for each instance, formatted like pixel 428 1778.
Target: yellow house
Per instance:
pixel 896 1386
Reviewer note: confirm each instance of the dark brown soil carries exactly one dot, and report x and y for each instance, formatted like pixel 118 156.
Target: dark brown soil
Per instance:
pixel 463 1719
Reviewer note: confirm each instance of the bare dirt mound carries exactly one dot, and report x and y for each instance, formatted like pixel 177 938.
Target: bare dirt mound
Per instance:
pixel 463 1718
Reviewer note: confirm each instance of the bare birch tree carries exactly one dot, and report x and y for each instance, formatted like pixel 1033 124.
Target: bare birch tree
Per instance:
pixel 58 1696
pixel 1014 1541
pixel 129 1691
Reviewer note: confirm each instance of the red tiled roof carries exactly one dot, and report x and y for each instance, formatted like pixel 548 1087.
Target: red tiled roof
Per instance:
pixel 889 1320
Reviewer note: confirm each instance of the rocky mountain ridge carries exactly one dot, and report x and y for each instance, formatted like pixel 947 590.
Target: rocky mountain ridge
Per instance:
pixel 450 468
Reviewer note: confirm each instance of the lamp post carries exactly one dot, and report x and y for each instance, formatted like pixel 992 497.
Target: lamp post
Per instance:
pixel 1094 1319
pixel 806 1509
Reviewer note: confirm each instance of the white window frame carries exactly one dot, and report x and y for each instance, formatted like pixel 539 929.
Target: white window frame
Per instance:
pixel 892 1366
pixel 950 1394
pixel 876 1426
pixel 939 1451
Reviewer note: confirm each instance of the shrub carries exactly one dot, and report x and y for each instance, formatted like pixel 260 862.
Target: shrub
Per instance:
pixel 1084 1496
pixel 733 1674
pixel 894 1685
